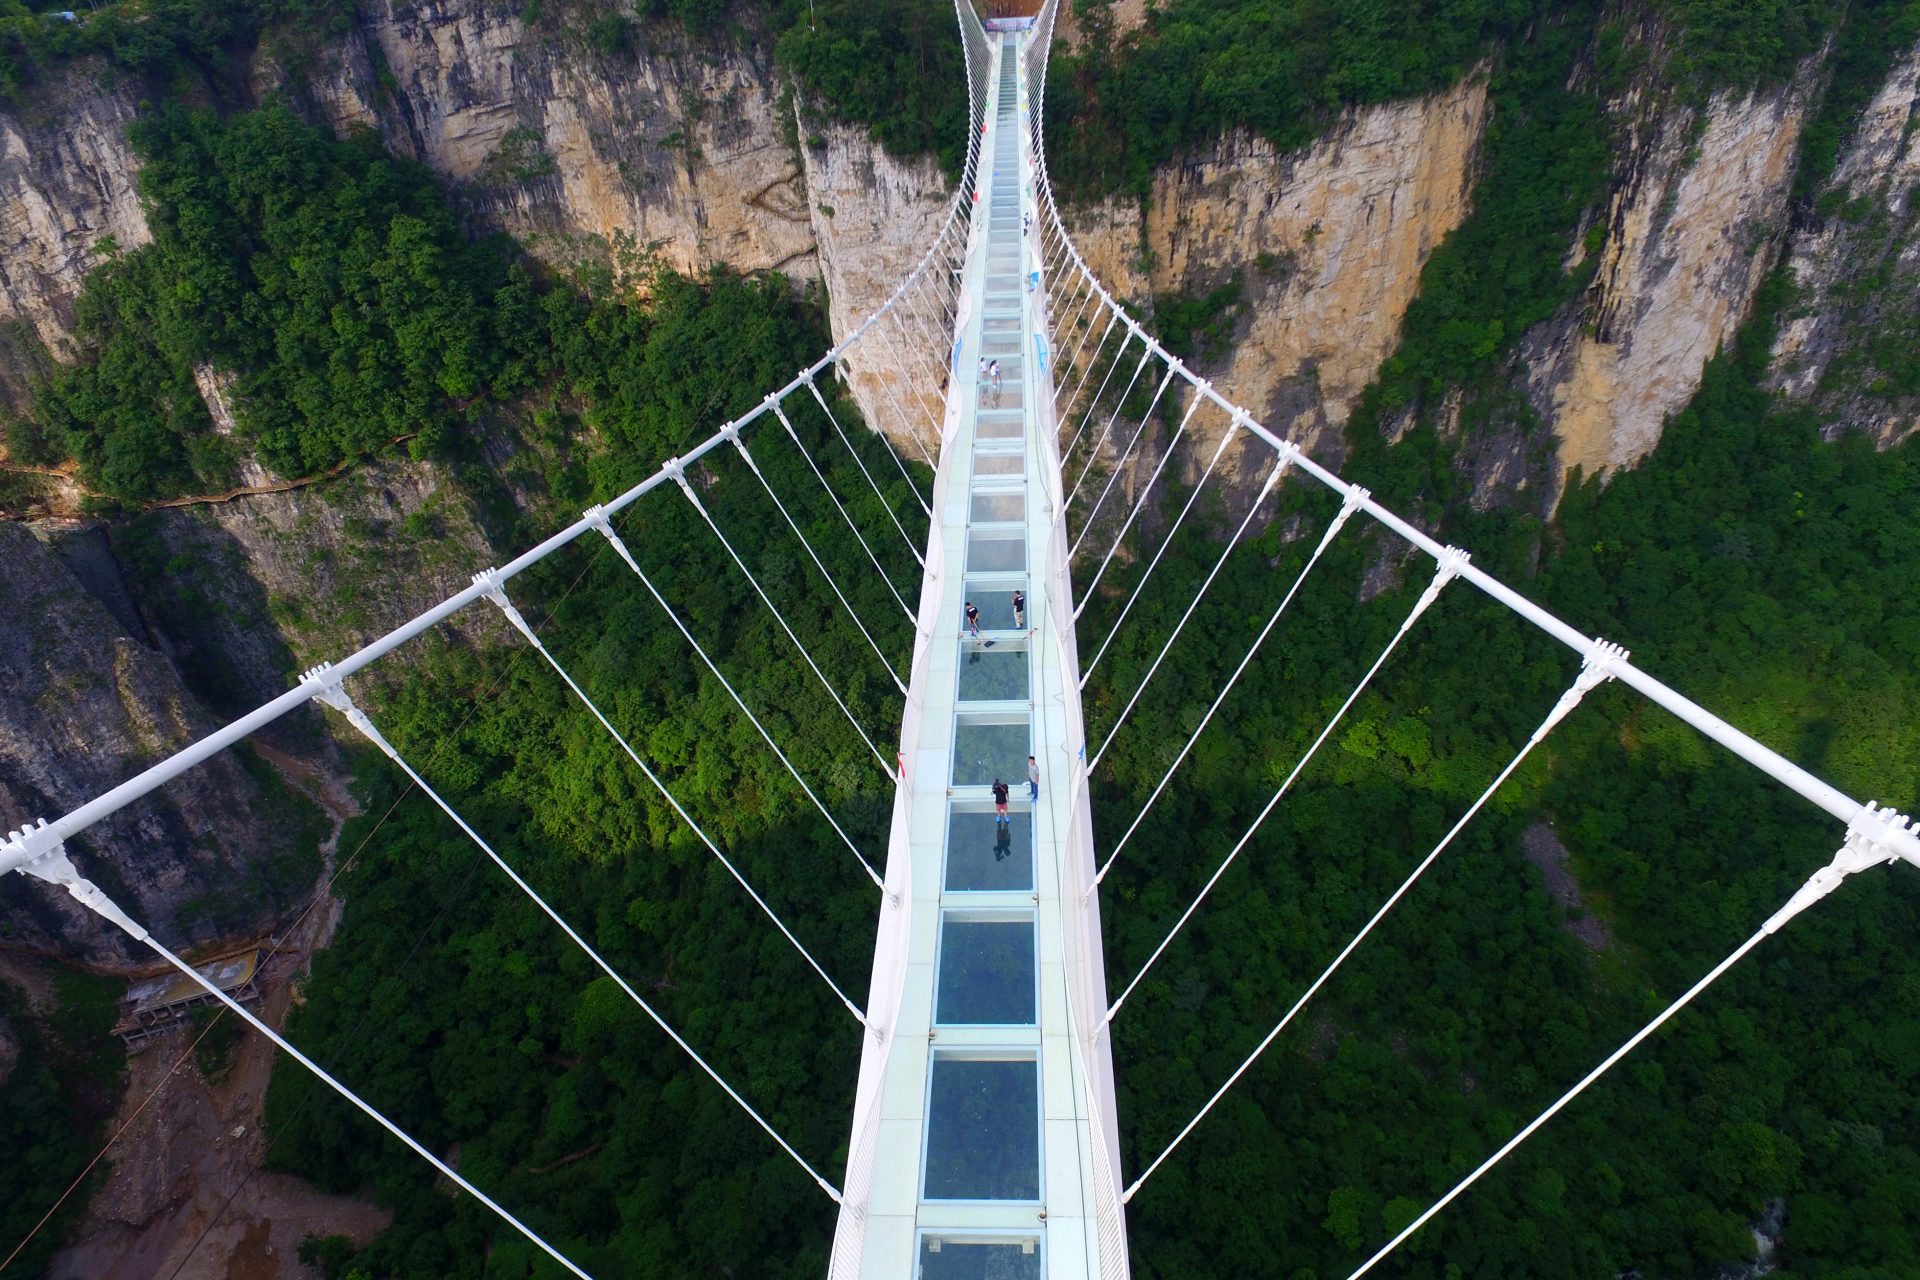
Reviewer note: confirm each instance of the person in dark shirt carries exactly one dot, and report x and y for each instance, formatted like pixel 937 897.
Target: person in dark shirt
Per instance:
pixel 1019 611
pixel 1000 801
pixel 973 620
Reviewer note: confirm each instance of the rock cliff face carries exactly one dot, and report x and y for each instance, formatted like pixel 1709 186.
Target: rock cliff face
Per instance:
pixel 83 704
pixel 676 149
pixel 1693 225
pixel 1328 241
pixel 1856 272
pixel 66 183
pixel 875 217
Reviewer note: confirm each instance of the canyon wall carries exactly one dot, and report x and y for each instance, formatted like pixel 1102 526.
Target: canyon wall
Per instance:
pixel 1328 243
pixel 1845 346
pixel 1697 211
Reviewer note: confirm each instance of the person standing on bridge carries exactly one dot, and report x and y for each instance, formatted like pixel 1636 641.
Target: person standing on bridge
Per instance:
pixel 1000 801
pixel 1033 779
pixel 973 620
pixel 982 366
pixel 1019 611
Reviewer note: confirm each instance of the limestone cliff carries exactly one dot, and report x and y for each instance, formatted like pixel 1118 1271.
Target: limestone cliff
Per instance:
pixel 1698 205
pixel 676 148
pixel 66 184
pixel 1856 275
pixel 85 701
pixel 1329 242
pixel 874 218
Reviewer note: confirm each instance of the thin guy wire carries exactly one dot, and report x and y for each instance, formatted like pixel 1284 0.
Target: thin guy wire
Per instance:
pixel 1326 540
pixel 365 1107
pixel 1093 454
pixel 1280 464
pixel 1739 953
pixel 513 615
pixel 1138 504
pixel 1232 430
pixel 844 515
pixel 1440 580
pixel 364 723
pixel 840 595
pixel 1093 405
pixel 673 616
pixel 1559 712
pixel 1120 466
pixel 884 504
pixel 686 487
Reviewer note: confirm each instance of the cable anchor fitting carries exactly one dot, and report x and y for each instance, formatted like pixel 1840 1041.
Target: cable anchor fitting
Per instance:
pixel 326 686
pixel 1867 845
pixel 494 584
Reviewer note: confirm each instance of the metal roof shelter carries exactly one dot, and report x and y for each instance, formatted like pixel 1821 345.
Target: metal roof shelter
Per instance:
pixel 154 1004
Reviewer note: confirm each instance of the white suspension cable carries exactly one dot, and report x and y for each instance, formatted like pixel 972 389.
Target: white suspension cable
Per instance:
pixel 1093 405
pixel 1121 465
pixel 498 596
pixel 1868 844
pixel 686 487
pixel 922 369
pixel 55 868
pixel 1112 418
pixel 1086 372
pixel 1226 438
pixel 1281 462
pixel 597 518
pixel 1140 502
pixel 328 689
pixel 1076 309
pixel 1596 668
pixel 753 466
pixel 909 421
pixel 878 568
pixel 1334 526
pixel 884 504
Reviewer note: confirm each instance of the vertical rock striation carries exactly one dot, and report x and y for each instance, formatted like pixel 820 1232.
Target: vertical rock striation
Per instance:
pixel 1844 347
pixel 1328 241
pixel 1698 207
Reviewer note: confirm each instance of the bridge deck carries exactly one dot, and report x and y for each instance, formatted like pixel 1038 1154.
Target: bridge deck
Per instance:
pixel 983 1144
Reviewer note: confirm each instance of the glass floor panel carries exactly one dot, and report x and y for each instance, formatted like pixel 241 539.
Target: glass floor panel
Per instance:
pixel 985 551
pixel 989 507
pixel 998 674
pixel 986 973
pixel 999 464
pixel 985 855
pixel 983 1130
pixel 995 604
pixel 985 751
pixel 945 1258
pixel 1009 427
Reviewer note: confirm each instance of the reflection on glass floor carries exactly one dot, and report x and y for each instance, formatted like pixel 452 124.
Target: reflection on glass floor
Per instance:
pixel 983 1129
pixel 998 674
pixel 985 750
pixel 988 856
pixel 986 973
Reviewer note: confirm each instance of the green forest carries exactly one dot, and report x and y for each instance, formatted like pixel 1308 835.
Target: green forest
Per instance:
pixel 1761 569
